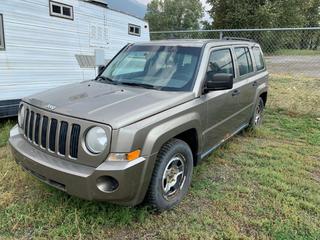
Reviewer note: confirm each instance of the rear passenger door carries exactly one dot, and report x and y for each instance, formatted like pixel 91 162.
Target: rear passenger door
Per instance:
pixel 244 83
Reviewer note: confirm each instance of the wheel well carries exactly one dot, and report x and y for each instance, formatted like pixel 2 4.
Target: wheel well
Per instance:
pixel 191 138
pixel 264 97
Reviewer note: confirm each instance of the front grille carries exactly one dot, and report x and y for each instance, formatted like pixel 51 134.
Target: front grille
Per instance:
pixel 26 124
pixel 37 129
pixel 52 134
pixel 63 137
pixel 31 124
pixel 44 131
pixel 74 140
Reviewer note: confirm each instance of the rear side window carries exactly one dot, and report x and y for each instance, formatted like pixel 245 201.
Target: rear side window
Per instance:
pixel 244 60
pixel 257 54
pixel 2 46
pixel 221 62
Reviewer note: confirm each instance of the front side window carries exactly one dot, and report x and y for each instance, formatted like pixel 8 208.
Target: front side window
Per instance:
pixel 166 68
pixel 221 62
pixel 244 60
pixel 2 45
pixel 61 10
pixel 257 54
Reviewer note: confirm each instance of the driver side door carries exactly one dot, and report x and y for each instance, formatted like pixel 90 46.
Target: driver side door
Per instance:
pixel 221 106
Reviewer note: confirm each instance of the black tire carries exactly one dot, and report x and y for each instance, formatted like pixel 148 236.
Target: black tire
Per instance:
pixel 157 196
pixel 257 116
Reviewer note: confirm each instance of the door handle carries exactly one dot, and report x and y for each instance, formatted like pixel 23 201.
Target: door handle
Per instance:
pixel 235 93
pixel 255 84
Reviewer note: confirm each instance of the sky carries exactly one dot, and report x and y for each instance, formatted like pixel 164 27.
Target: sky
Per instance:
pixel 207 7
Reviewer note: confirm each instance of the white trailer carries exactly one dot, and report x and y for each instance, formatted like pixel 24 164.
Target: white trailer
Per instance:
pixel 46 43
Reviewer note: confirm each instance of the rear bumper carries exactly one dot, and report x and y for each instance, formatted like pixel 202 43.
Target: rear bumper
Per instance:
pixel 80 180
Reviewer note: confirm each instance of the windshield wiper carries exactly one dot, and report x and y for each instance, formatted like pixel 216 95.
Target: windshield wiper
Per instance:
pixel 144 85
pixel 106 79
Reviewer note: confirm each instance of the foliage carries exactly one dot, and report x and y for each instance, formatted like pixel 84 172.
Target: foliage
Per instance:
pixel 174 14
pixel 241 14
pixel 5 127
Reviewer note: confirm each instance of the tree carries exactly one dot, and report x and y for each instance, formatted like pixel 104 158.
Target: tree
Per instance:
pixel 174 14
pixel 264 13
pixel 244 14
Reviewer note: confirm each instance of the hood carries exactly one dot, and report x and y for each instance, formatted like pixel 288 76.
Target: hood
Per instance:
pixel 115 105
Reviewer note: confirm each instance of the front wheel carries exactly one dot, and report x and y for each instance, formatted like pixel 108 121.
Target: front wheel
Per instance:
pixel 171 176
pixel 257 117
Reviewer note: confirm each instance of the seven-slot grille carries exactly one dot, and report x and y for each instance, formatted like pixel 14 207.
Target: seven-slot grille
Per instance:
pixel 52 134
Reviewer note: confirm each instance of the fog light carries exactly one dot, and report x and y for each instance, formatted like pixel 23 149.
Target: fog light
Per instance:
pixel 107 184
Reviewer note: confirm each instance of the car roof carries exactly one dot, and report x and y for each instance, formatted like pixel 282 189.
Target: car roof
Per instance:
pixel 197 42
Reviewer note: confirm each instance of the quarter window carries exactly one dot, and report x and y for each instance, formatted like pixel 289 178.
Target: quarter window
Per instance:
pixel 221 62
pixel 2 45
pixel 61 10
pixel 257 54
pixel 134 30
pixel 244 60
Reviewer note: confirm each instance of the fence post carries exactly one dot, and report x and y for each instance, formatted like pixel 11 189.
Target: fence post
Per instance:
pixel 221 35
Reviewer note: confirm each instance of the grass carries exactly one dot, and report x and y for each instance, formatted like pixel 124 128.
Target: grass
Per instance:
pixel 296 52
pixel 261 185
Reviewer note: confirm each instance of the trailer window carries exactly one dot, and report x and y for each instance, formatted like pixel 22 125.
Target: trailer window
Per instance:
pixel 2 46
pixel 61 10
pixel 134 30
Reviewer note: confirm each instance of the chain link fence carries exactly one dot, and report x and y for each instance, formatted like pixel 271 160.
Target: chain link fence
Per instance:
pixel 290 51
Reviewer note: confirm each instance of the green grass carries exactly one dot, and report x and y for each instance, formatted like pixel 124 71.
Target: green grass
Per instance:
pixel 5 126
pixel 261 185
pixel 296 52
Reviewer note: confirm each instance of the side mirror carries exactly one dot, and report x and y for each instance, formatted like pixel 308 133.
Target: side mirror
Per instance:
pixel 100 69
pixel 219 81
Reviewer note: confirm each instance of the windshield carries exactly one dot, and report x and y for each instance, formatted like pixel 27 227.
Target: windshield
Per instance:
pixel 167 68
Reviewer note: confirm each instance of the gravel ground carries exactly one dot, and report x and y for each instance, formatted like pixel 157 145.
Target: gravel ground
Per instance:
pixel 307 66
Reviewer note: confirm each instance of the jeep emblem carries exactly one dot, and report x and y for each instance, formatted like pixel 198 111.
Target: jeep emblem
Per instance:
pixel 51 107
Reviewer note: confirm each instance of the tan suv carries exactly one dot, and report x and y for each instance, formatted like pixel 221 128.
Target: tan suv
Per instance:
pixel 139 128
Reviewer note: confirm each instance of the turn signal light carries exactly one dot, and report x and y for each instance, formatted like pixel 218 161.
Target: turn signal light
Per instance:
pixel 124 156
pixel 133 155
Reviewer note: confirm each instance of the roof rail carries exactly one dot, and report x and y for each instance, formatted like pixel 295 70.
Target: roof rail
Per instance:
pixel 238 38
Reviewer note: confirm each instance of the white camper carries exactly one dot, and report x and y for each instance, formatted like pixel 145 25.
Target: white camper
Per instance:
pixel 45 44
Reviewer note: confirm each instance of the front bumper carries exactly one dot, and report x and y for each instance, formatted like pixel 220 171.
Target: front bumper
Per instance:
pixel 80 180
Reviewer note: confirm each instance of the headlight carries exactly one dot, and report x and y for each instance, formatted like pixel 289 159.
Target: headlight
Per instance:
pixel 21 116
pixel 96 140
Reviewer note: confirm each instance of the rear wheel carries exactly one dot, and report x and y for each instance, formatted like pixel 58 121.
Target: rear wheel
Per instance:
pixel 172 175
pixel 257 117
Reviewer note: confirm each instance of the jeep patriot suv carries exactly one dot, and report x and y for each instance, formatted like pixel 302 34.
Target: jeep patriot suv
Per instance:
pixel 136 131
